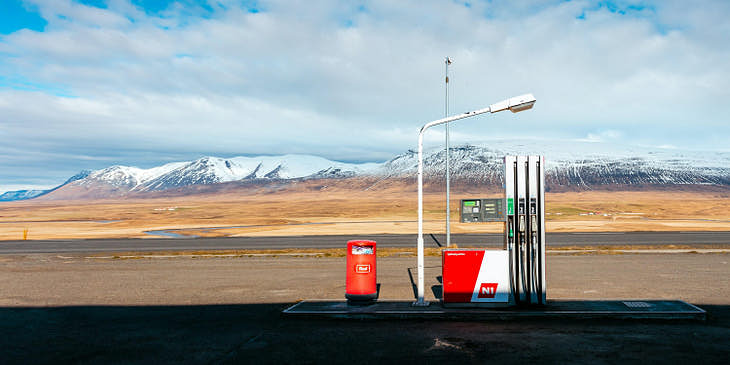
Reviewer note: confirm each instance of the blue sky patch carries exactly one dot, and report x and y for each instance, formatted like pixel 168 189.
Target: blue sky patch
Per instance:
pixel 153 6
pixel 635 10
pixel 638 10
pixel 95 3
pixel 22 84
pixel 14 16
pixel 252 6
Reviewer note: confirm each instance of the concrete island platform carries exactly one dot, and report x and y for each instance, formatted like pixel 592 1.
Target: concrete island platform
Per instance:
pixel 631 309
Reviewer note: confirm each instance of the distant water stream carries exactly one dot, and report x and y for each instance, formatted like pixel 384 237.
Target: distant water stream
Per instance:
pixel 169 234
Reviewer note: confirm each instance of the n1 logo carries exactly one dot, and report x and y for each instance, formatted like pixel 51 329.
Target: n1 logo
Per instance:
pixel 362 269
pixel 487 290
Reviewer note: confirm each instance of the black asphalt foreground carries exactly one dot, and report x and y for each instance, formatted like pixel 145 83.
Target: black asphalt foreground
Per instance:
pixel 257 334
pixel 384 240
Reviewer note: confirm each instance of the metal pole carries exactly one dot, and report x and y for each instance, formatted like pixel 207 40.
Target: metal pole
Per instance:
pixel 448 175
pixel 420 302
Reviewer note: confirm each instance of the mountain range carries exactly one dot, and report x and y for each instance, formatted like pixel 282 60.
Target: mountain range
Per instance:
pixel 573 165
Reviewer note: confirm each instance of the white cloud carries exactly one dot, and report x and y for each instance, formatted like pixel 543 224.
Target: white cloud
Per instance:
pixel 354 83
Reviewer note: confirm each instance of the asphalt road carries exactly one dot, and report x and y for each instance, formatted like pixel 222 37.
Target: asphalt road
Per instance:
pixel 383 240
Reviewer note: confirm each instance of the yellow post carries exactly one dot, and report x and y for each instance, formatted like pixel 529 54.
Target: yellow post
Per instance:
pixel 25 234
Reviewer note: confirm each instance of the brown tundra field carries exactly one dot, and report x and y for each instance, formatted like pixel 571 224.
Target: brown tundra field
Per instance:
pixel 317 208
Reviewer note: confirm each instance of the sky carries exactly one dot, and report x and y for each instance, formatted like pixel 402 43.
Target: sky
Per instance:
pixel 86 84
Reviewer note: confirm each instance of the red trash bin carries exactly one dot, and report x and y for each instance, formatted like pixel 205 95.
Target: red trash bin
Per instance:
pixel 361 282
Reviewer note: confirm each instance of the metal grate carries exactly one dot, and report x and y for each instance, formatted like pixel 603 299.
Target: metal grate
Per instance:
pixel 637 304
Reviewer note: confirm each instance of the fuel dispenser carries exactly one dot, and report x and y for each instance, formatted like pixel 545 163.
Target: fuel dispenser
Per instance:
pixel 515 275
pixel 524 187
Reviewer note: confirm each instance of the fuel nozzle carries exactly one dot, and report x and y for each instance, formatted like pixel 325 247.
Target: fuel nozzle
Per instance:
pixel 522 223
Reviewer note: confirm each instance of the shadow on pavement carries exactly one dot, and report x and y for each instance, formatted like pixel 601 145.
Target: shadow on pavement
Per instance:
pixel 257 333
pixel 438 290
pixel 414 286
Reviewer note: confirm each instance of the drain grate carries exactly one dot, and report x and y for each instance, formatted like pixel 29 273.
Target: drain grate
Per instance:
pixel 637 304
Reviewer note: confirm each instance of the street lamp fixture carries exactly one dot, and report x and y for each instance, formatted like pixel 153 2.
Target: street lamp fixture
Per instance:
pixel 515 105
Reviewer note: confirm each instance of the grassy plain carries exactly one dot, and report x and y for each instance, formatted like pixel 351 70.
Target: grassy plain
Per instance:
pixel 310 208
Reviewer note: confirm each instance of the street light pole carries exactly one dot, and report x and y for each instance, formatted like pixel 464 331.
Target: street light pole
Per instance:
pixel 516 104
pixel 448 175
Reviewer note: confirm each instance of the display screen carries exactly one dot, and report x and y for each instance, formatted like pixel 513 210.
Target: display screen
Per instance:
pixel 362 250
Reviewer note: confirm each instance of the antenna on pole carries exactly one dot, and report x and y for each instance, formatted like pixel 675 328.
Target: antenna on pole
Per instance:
pixel 447 62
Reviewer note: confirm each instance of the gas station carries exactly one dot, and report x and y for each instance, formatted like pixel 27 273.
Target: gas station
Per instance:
pixel 479 283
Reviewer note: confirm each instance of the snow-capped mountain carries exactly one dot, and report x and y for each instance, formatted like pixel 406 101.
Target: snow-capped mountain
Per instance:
pixel 569 164
pixel 20 195
pixel 576 164
pixel 30 194
pixel 212 170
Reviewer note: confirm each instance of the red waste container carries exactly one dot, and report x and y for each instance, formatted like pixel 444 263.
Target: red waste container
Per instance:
pixel 361 282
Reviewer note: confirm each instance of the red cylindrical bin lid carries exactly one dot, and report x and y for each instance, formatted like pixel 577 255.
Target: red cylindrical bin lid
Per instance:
pixel 361 243
pixel 360 247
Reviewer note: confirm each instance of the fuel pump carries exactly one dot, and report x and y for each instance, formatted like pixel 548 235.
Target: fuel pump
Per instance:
pixel 525 227
pixel 510 230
